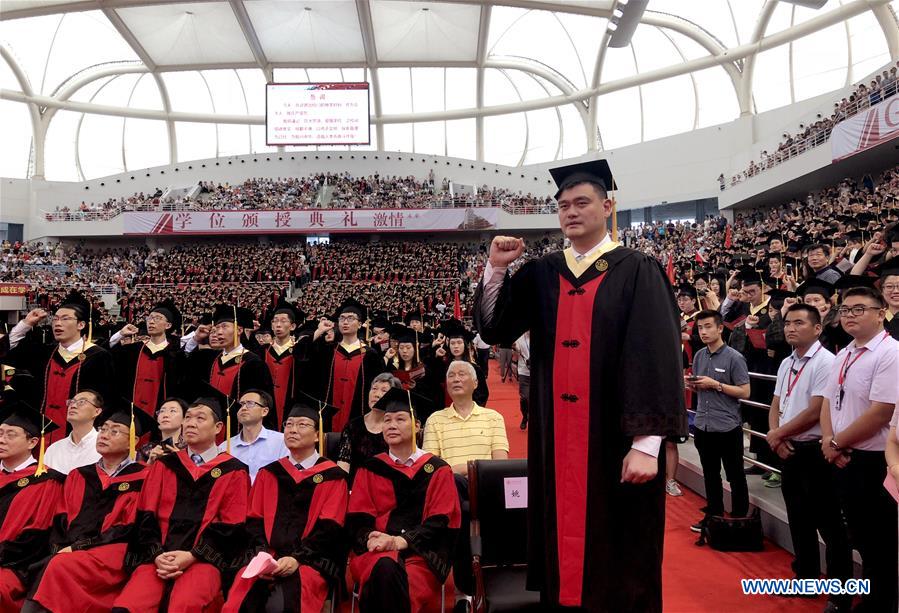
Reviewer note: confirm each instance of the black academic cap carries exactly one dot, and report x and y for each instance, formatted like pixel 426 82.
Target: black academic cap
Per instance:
pixel 596 172
pixel 120 413
pixel 402 334
pixel 211 397
pixel 749 274
pixel 307 406
pixel 380 321
pixel 781 294
pixel 227 312
pixel 855 235
pixel 296 315
pixel 888 268
pixel 205 319
pixel 76 301
pixel 412 316
pixel 686 290
pixel 169 310
pixel 815 286
pixel 25 416
pixel 22 387
pixel 453 328
pixel 398 400
pixel 850 281
pixel 352 306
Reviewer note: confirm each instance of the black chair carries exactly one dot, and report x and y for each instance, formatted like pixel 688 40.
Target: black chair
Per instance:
pixel 332 445
pixel 498 539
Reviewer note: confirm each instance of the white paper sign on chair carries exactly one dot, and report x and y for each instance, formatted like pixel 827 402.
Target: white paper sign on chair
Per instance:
pixel 516 492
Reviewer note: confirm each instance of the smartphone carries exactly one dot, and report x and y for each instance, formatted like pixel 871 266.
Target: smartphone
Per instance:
pixel 789 269
pixel 692 378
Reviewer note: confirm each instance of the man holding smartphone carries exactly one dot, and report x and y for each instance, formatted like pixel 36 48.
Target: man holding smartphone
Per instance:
pixel 720 379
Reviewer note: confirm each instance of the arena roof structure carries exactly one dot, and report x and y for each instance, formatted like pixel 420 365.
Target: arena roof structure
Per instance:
pixel 95 87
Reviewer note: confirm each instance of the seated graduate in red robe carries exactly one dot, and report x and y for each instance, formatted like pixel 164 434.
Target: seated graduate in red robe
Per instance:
pixel 190 520
pixel 297 510
pixel 403 518
pixel 96 523
pixel 30 496
pixel 229 366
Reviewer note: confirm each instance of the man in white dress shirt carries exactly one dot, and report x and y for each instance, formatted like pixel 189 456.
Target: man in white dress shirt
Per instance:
pixel 79 448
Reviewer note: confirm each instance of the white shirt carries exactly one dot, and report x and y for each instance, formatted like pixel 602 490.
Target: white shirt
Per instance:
pixel 208 456
pixel 21 330
pixel 813 371
pixel 66 455
pixel 872 377
pixel 523 346
pixel 412 458
pixel 493 281
pixel 308 462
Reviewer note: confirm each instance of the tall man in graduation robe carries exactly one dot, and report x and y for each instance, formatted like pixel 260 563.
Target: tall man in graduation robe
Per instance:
pixel 297 510
pixel 149 372
pixel 190 518
pixel 71 363
pixel 341 373
pixel 30 495
pixel 606 386
pixel 95 523
pixel 403 518
pixel 228 366
pixel 285 356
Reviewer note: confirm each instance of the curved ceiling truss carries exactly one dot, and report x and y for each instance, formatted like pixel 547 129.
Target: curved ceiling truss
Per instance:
pixel 377 51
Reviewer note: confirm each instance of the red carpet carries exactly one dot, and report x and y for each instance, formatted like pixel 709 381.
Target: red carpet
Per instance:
pixel 696 579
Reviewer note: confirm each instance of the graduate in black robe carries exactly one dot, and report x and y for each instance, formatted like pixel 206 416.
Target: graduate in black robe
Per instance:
pixel 286 356
pixel 227 365
pixel 297 510
pixel 606 386
pixel 151 371
pixel 66 366
pixel 30 496
pixel 340 372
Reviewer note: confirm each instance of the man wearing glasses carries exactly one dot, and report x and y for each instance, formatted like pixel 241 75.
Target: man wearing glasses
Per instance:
pixel 341 372
pixel 70 364
pixel 79 448
pixel 255 445
pixel 858 404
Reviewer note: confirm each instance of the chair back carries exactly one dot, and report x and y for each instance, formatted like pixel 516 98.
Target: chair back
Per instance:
pixel 332 445
pixel 503 531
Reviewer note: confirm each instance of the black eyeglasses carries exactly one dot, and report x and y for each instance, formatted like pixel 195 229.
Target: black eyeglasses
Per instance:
pixel 856 310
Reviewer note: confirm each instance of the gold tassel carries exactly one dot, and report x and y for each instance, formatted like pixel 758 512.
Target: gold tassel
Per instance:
pixel 41 468
pixel 132 437
pixel 321 431
pixel 90 323
pixel 236 336
pixel 614 222
pixel 414 429
pixel 228 426
pixel 416 354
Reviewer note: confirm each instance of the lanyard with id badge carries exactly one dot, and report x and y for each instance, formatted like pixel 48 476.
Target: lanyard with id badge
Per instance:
pixel 844 370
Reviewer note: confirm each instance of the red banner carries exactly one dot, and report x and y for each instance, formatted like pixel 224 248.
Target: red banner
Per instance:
pixel 14 289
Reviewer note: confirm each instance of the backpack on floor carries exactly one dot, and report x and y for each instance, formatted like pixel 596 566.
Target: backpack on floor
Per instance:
pixel 733 533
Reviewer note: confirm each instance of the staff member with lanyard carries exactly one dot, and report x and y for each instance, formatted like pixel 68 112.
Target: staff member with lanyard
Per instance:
pixel 858 404
pixel 795 436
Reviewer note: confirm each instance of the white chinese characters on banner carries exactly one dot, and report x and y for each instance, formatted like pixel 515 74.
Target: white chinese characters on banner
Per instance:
pixel 309 221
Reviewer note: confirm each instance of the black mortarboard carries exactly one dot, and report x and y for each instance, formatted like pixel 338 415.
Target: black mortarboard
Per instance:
pixel 596 172
pixel 888 268
pixel 815 286
pixel 169 310
pixel 453 328
pixel 855 235
pixel 402 334
pixel 296 315
pixel 227 312
pixel 22 387
pixel 318 411
pixel 781 294
pixel 76 301
pixel 352 306
pixel 850 281
pixel 380 321
pixel 216 400
pixel 25 416
pixel 686 290
pixel 398 400
pixel 205 319
pixel 749 274
pixel 412 316
pixel 120 413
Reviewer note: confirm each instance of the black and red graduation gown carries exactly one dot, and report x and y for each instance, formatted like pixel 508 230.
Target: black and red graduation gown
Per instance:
pixel 193 508
pixel 606 366
pixel 342 378
pixel 146 377
pixel 28 505
pixel 97 522
pixel 419 503
pixel 284 369
pixel 299 513
pixel 232 377
pixel 61 378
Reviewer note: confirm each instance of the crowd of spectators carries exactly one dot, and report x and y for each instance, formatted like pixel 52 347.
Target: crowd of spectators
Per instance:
pixel 866 95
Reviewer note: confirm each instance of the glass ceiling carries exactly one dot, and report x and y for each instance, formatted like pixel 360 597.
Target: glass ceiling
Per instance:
pixel 214 57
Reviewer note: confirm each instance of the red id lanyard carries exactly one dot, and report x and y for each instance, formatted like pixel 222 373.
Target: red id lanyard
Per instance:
pixel 792 383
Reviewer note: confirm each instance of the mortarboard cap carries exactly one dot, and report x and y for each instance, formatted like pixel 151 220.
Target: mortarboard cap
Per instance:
pixel 120 413
pixel 227 312
pixel 596 172
pixel 316 410
pixel 352 306
pixel 21 414
pixel 888 268
pixel 815 286
pixel 296 315
pixel 850 281
pixel 686 290
pixel 169 310
pixel 453 328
